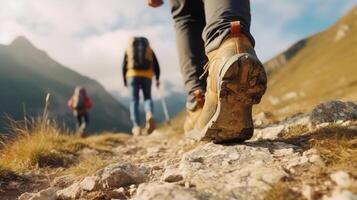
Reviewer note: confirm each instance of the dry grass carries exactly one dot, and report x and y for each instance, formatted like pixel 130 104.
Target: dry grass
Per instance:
pixel 87 166
pixel 42 144
pixel 281 191
pixel 337 147
pixel 106 141
pixel 6 174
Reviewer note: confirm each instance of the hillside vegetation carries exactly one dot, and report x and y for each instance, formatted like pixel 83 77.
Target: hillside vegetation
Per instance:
pixel 319 68
pixel 28 73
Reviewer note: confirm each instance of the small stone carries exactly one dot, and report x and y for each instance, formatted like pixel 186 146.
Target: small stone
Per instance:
pixel 344 195
pixel 342 179
pixel 72 192
pixel 172 176
pixel 90 183
pixel 155 191
pixel 47 194
pixel 25 196
pixel 120 190
pixel 283 152
pixel 316 159
pixel 132 191
pixel 307 192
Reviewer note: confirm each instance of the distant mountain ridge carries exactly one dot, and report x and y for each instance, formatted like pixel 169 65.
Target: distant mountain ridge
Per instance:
pixel 28 73
pixel 319 68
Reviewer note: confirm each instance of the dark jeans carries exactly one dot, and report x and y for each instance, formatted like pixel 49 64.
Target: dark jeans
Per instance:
pixel 135 85
pixel 201 26
pixel 82 119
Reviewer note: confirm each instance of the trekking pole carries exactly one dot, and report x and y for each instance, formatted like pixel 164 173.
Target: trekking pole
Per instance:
pixel 164 106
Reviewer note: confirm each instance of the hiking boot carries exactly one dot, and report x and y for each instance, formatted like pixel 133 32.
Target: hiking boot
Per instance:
pixel 136 131
pixel 82 130
pixel 150 123
pixel 236 80
pixel 194 107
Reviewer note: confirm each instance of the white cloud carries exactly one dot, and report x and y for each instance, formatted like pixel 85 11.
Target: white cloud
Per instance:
pixel 90 35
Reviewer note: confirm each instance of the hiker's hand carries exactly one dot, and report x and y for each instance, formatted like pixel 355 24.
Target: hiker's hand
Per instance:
pixel 157 83
pixel 155 3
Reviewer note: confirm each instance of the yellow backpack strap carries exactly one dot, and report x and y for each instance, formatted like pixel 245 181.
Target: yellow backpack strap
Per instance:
pixel 130 54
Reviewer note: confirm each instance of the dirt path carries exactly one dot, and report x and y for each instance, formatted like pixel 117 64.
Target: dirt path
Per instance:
pixel 280 162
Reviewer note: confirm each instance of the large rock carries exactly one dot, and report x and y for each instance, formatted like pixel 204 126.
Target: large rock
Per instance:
pixel 47 194
pixel 233 171
pixel 272 132
pixel 343 180
pixel 71 192
pixel 122 174
pixel 334 111
pixel 109 178
pixel 157 191
pixel 341 195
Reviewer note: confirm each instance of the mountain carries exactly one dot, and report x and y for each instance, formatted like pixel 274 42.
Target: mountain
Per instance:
pixel 28 73
pixel 318 68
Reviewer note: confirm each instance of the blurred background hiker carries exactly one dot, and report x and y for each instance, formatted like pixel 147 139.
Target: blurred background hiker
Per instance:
pixel 139 66
pixel 80 104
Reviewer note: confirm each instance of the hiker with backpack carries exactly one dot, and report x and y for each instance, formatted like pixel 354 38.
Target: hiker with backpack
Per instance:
pixel 222 73
pixel 140 65
pixel 80 104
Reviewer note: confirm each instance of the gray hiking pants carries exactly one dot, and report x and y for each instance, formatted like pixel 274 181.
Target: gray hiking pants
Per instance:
pixel 201 26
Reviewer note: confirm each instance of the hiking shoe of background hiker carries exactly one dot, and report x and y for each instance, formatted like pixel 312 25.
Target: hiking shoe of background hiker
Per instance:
pixel 81 132
pixel 136 131
pixel 194 107
pixel 236 80
pixel 150 123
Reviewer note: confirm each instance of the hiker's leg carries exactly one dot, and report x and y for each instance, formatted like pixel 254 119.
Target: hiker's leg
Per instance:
pixel 79 120
pixel 219 15
pixel 148 103
pixel 149 106
pixel 86 118
pixel 236 79
pixel 189 21
pixel 134 88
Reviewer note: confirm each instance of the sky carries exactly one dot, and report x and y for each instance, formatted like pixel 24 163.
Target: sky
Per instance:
pixel 90 36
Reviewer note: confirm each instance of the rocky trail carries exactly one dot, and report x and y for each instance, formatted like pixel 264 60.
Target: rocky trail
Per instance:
pixel 278 163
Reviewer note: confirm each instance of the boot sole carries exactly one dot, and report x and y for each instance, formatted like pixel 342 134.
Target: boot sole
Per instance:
pixel 242 84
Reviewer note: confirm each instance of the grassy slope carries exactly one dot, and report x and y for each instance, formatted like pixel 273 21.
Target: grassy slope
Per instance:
pixel 322 70
pixel 27 74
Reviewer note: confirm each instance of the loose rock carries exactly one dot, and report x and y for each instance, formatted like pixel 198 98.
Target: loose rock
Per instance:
pixel 333 111
pixel 47 194
pixel 156 191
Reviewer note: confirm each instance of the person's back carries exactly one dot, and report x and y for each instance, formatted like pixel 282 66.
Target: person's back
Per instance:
pixel 139 66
